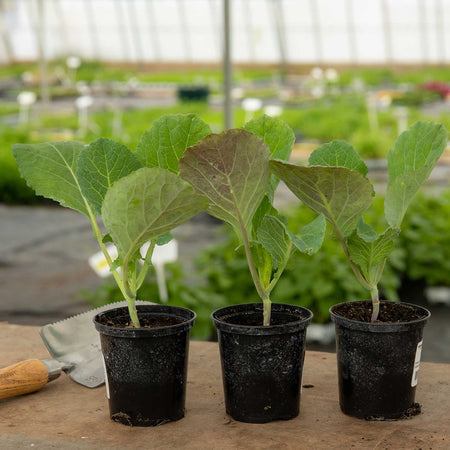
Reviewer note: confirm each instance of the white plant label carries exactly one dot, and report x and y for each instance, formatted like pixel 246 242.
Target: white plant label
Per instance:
pixel 162 254
pixel 98 261
pixel 415 374
pixel 106 378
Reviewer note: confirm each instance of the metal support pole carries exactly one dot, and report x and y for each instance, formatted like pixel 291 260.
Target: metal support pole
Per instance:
pixel 122 29
pixel 92 28
pixel 440 31
pixel 227 69
pixel 132 15
pixel 153 29
pixel 4 35
pixel 316 30
pixel 249 30
pixel 277 13
pixel 184 30
pixel 216 25
pixel 423 29
pixel 351 32
pixel 62 25
pixel 40 34
pixel 387 31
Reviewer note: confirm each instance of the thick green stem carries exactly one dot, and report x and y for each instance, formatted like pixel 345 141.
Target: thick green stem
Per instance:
pixel 375 303
pixel 254 273
pixel 251 264
pixel 131 300
pixel 267 309
pixel 126 292
pixel 133 312
pixel 99 237
pixel 130 289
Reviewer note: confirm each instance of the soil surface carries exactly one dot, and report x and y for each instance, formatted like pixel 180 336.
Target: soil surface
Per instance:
pixel 256 319
pixel 390 312
pixel 147 321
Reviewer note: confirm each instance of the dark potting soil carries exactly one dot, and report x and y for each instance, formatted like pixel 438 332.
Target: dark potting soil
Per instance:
pixel 390 312
pixel 148 321
pixel 254 319
pixel 138 421
pixel 415 410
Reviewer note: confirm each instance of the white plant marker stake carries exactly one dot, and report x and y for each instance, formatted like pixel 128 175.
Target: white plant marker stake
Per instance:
pixel 237 93
pixel 332 75
pixel 162 254
pixel 317 73
pixel 372 112
pixel 99 264
pixel 250 106
pixel 117 122
pixel 73 63
pixel 402 115
pixel 83 104
pixel 26 100
pixel 273 110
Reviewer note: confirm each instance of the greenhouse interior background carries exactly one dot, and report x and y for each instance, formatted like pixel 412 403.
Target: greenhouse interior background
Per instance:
pixel 331 69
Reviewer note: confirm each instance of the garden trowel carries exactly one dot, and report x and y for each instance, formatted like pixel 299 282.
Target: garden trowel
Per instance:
pixel 74 345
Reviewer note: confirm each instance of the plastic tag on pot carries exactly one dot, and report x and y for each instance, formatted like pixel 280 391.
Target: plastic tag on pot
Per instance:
pixel 106 378
pixel 415 374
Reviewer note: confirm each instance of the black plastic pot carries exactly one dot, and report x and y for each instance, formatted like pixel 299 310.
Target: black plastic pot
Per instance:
pixel 378 364
pixel 146 367
pixel 262 366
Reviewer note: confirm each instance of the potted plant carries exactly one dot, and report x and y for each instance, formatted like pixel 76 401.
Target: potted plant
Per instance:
pixel 262 345
pixel 139 198
pixel 378 343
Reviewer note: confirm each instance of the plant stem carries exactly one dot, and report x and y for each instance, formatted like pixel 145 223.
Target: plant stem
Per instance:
pixel 254 273
pixel 147 261
pixel 128 296
pixel 358 274
pixel 131 293
pixel 267 304
pixel 133 312
pixel 98 236
pixel 267 309
pixel 375 303
pixel 279 271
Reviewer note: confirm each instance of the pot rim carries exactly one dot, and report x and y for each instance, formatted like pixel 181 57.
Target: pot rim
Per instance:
pixel 166 330
pixel 379 327
pixel 298 324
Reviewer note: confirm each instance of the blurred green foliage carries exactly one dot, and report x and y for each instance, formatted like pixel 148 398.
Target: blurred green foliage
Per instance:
pixel 317 282
pixel 335 116
pixel 426 239
pixel 97 71
pixel 384 76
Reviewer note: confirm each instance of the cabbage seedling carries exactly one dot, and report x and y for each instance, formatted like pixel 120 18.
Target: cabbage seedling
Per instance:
pixel 232 170
pixel 138 195
pixel 335 185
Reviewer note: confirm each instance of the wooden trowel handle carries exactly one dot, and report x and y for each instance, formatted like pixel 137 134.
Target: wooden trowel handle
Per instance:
pixel 22 378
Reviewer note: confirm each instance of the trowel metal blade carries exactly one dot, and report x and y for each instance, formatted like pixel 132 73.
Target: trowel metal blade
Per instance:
pixel 76 343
